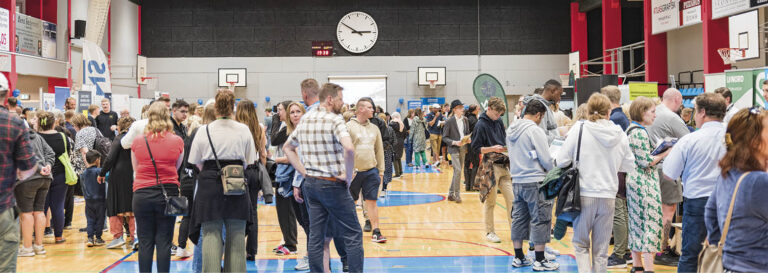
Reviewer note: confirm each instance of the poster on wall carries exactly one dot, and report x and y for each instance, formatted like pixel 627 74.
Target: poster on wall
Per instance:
pixel 665 15
pixel 29 35
pixel 49 40
pixel 96 69
pixel 5 41
pixel 49 101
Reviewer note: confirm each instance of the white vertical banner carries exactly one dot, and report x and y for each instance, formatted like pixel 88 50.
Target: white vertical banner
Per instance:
pixel 665 15
pixel 96 68
pixel 574 65
pixel 5 40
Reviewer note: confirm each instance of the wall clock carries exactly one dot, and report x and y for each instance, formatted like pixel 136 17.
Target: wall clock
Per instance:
pixel 357 32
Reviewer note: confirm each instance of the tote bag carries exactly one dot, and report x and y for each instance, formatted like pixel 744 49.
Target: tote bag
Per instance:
pixel 711 256
pixel 69 172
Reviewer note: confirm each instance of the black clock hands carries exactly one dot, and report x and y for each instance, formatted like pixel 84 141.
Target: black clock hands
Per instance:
pixel 355 31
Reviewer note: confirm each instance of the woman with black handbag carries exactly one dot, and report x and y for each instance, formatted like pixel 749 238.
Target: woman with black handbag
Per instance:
pixel 603 154
pixel 156 158
pixel 222 150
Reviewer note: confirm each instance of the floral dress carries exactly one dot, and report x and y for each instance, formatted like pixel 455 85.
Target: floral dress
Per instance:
pixel 643 195
pixel 84 139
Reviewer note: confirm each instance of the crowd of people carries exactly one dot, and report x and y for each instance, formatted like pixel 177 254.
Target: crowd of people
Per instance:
pixel 319 157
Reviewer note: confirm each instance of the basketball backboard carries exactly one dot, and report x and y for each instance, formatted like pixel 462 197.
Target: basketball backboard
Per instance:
pixel 141 69
pixel 227 75
pixel 743 33
pixel 427 74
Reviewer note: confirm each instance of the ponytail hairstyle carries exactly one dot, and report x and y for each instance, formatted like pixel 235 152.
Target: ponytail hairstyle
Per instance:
pixel 598 107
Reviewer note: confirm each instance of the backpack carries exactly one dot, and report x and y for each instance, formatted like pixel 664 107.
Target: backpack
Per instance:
pixel 102 144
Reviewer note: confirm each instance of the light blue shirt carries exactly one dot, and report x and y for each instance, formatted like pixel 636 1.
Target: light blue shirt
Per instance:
pixel 695 157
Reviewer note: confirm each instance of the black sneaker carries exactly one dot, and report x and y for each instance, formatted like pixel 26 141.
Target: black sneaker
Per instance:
pixel 249 257
pixel 89 242
pixel 561 227
pixel 615 261
pixel 376 237
pixel 668 258
pixel 628 257
pixel 98 242
pixel 367 227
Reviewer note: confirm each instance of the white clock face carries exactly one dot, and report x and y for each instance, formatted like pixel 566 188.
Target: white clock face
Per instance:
pixel 357 32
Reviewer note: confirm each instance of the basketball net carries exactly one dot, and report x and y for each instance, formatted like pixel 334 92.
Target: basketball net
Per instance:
pixel 232 86
pixel 432 84
pixel 729 54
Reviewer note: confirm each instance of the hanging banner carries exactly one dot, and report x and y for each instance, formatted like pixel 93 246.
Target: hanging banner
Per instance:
pixel 722 8
pixel 29 35
pixel 644 89
pixel 690 12
pixel 49 40
pixel 62 94
pixel 414 104
pixel 95 68
pixel 485 87
pixel 5 41
pixel 665 15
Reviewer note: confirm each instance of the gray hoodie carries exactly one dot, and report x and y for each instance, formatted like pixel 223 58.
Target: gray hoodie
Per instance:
pixel 529 157
pixel 44 155
pixel 548 122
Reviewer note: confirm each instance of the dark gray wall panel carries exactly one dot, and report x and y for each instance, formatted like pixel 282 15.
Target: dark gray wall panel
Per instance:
pixel 274 28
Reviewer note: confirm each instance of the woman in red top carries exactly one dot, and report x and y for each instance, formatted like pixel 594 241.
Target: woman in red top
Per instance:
pixel 153 227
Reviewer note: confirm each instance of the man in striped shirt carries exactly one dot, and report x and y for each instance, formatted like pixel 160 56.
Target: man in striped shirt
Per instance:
pixel 327 163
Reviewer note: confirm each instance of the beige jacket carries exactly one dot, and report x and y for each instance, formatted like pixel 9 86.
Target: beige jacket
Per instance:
pixel 369 149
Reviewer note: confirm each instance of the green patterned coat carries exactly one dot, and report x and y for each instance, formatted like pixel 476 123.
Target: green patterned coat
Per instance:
pixel 643 195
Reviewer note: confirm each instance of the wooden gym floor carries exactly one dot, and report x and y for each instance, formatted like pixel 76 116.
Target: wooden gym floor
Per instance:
pixel 425 233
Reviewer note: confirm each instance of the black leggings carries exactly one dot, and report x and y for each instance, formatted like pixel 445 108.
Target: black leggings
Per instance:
pixel 153 228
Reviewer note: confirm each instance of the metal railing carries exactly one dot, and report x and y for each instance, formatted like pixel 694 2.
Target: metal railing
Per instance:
pixel 615 60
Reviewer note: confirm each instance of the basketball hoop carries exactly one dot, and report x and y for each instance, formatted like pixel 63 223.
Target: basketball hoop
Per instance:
pixel 729 54
pixel 232 86
pixel 432 84
pixel 150 82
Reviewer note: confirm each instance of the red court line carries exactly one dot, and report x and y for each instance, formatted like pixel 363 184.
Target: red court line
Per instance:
pixel 457 241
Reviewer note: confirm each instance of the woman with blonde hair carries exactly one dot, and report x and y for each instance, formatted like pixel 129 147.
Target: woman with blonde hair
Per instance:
pixel 223 142
pixel 602 153
pixel 290 114
pixel 156 156
pixel 643 192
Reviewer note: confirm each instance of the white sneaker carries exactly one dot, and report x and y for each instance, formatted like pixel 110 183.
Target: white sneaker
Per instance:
pixel 26 252
pixel 302 264
pixel 549 256
pixel 39 249
pixel 552 251
pixel 492 237
pixel 518 263
pixel 116 243
pixel 383 194
pixel 183 253
pixel 545 266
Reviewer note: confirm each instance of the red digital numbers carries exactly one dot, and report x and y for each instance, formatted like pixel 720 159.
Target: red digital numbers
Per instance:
pixel 322 48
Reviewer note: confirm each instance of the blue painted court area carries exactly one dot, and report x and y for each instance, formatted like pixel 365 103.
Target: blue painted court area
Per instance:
pixel 476 264
pixel 406 198
pixel 423 169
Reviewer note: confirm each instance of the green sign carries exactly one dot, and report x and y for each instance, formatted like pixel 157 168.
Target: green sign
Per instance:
pixel 486 87
pixel 741 85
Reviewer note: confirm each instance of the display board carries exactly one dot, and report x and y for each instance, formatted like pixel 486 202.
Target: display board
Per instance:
pixel 356 87
pixel 723 8
pixel 746 86
pixel 414 104
pixel 29 35
pixel 644 89
pixel 667 15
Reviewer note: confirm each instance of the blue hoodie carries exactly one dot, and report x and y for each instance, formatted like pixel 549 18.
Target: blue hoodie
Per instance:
pixel 529 156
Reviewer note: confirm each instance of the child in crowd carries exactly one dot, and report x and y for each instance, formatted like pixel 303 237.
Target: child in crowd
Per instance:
pixel 95 198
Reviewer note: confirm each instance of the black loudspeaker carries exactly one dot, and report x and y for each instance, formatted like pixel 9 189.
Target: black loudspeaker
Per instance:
pixel 79 29
pixel 588 85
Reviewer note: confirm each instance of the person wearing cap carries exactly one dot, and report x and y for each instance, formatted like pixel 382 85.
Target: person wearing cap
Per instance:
pixel 434 120
pixel 454 133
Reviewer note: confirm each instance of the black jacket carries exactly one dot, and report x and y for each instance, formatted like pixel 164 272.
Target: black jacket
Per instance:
pixel 488 133
pixel 179 129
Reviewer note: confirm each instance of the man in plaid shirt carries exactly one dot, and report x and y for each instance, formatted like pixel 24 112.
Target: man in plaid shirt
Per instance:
pixel 327 163
pixel 16 157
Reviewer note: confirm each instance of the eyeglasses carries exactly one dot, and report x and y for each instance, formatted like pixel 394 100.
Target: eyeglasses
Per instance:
pixel 184 111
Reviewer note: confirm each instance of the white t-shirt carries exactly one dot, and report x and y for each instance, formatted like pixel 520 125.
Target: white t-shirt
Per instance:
pixel 231 139
pixel 460 124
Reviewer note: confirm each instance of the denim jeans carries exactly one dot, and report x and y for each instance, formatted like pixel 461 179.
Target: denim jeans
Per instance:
pixel 408 151
pixel 326 199
pixel 694 233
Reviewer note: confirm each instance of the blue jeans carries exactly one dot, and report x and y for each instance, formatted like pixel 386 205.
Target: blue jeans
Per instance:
pixel 327 199
pixel 694 233
pixel 408 151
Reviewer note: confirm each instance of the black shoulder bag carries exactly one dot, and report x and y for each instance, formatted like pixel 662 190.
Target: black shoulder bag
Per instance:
pixel 232 176
pixel 174 205
pixel 569 198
